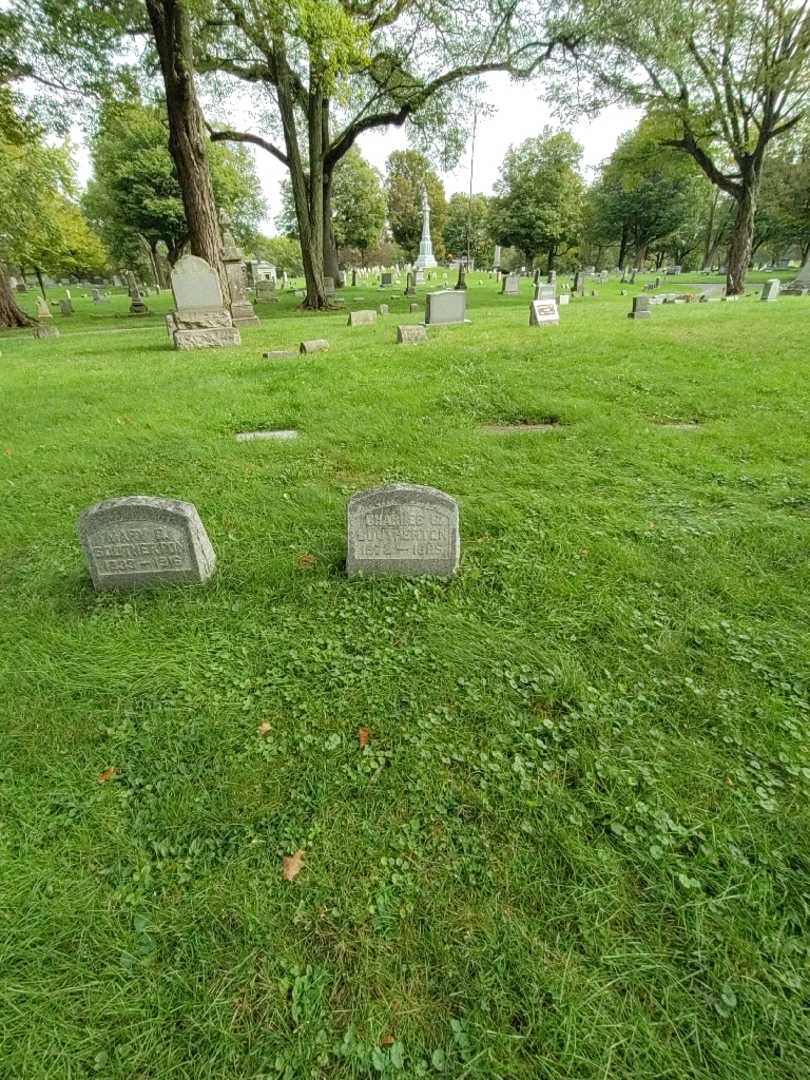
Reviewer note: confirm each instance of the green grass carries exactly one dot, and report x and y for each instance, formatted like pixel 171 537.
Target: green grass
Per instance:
pixel 576 844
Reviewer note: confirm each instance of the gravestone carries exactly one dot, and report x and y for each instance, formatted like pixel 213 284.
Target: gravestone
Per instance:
pixel 382 309
pixel 552 277
pixel 362 318
pixel 140 541
pixel 402 530
pixel 266 292
pixel 66 307
pixel 410 284
pixel 770 290
pixel 411 335
pixel 641 308
pixel 96 294
pixel 632 278
pixel 800 285
pixel 279 354
pixel 43 311
pixel 316 345
pixel 419 277
pixel 201 320
pixel 241 309
pixel 446 307
pixel 579 283
pixel 386 279
pixel 564 298
pixel 543 313
pixel 413 307
pixel 545 292
pixel 510 285
pixel 22 287
pixel 354 278
pixel 45 330
pixel 137 306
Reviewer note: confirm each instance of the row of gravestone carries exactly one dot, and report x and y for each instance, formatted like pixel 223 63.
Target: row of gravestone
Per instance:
pixel 703 294
pixel 401 530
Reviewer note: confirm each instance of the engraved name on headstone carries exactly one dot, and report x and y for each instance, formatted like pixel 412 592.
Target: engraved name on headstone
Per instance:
pixel 543 312
pixel 140 540
pixel 403 530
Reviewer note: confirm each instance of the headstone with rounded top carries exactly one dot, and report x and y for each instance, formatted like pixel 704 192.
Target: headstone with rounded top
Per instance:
pixel 201 318
pixel 770 290
pixel 403 530
pixel 140 541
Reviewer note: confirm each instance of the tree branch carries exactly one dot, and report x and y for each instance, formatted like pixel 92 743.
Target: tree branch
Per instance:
pixel 246 137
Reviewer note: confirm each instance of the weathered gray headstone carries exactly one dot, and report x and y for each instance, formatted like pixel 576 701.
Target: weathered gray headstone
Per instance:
pixel 543 313
pixel 43 311
pixel 413 307
pixel 316 345
pixel 139 541
pixel 386 279
pixel 383 309
pixel 510 285
pixel 266 292
pixel 66 307
pixel 564 298
pixel 403 530
pixel 448 306
pixel 362 318
pixel 641 308
pixel 279 354
pixel 411 335
pixel 770 290
pixel 45 330
pixel 545 292
pixel 201 319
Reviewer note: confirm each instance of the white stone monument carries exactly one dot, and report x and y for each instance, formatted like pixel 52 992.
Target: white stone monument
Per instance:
pixel 425 258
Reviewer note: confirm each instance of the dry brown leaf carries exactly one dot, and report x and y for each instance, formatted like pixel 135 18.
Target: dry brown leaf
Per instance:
pixel 108 774
pixel 8 451
pixel 305 562
pixel 292 865
pixel 387 1040
pixel 264 728
pixel 363 736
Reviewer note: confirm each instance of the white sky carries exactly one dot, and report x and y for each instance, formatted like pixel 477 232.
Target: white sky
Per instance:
pixel 519 113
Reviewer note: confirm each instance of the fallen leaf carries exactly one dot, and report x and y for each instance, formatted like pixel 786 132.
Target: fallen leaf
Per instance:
pixel 305 562
pixel 363 735
pixel 8 451
pixel 387 1040
pixel 292 865
pixel 264 728
pixel 108 774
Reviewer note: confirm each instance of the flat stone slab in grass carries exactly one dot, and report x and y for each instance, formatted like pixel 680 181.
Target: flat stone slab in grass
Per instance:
pixel 45 331
pixel 411 335
pixel 679 425
pixel 403 530
pixel 517 429
pixel 316 345
pixel 255 436
pixel 279 354
pixel 140 541
pixel 362 318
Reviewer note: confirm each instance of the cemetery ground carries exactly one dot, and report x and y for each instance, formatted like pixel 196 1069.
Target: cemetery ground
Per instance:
pixel 553 813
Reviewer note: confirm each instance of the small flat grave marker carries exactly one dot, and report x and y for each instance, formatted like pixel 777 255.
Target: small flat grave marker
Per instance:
pixel 362 318
pixel 544 313
pixel 316 345
pixel 279 354
pixel 403 530
pixel 140 541
pixel 411 335
pixel 259 436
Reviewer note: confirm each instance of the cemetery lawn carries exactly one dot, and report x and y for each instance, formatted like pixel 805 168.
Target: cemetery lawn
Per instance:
pixel 575 844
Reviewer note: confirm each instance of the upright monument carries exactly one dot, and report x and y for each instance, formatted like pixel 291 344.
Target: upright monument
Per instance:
pixel 425 260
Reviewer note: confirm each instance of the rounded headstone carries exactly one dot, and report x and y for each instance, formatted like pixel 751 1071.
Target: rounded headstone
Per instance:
pixel 403 530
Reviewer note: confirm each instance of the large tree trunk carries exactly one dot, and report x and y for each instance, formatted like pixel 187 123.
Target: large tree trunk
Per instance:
pixel 550 259
pixel 11 315
pixel 187 132
pixel 641 256
pixel 330 255
pixel 742 238
pixel 623 246
pixel 711 241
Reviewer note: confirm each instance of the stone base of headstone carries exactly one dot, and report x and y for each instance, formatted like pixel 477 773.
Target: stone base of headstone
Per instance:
pixel 362 318
pixel 211 338
pixel 244 315
pixel 317 345
pixel 45 331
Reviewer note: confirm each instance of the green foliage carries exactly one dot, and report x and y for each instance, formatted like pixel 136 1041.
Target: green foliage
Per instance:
pixel 407 173
pixel 283 251
pixel 540 192
pixel 358 203
pixel 783 218
pixel 474 217
pixel 135 197
pixel 646 193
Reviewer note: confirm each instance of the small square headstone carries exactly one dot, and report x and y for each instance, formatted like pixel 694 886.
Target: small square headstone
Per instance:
pixel 770 290
pixel 641 308
pixel 362 318
pixel 140 541
pixel 411 335
pixel 544 313
pixel 403 530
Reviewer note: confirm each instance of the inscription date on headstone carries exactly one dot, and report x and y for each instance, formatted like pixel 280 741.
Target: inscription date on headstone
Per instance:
pixel 403 530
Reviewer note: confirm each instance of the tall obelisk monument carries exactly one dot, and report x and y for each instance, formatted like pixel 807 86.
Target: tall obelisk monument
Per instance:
pixel 425 260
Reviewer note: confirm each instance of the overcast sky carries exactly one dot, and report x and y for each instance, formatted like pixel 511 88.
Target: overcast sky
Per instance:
pixel 519 114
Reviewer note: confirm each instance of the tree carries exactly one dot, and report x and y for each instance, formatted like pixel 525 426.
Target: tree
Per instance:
pixel 469 225
pixel 135 195
pixel 644 193
pixel 540 194
pixel 282 251
pixel 358 203
pixel 783 219
pixel 731 75
pixel 407 173
pixel 335 69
